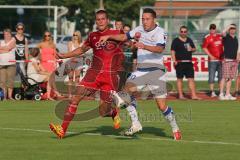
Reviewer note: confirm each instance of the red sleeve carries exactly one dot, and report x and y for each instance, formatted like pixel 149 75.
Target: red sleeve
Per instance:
pixel 205 43
pixel 87 42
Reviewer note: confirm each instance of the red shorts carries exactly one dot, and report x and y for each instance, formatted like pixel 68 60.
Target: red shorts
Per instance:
pixel 105 82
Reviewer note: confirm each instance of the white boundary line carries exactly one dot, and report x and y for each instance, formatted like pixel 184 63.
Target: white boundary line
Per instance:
pixel 119 136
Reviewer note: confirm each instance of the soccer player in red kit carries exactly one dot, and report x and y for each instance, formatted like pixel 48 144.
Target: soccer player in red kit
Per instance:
pixel 102 75
pixel 213 47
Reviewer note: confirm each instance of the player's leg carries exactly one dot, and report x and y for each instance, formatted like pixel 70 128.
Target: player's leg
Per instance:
pixel 169 116
pixel 136 126
pixel 70 82
pixel 109 83
pixel 70 111
pixel 134 84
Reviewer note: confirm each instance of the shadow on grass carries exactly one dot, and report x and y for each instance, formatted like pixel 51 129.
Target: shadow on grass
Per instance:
pixel 119 133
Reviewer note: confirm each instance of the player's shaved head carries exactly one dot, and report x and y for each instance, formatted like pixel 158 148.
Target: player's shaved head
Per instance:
pixel 101 12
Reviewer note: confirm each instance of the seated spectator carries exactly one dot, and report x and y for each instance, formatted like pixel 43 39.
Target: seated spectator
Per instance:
pixel 36 72
pixel 7 64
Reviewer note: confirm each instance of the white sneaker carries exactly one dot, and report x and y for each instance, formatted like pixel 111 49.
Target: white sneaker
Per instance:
pixel 222 97
pixel 133 129
pixel 213 94
pixel 230 97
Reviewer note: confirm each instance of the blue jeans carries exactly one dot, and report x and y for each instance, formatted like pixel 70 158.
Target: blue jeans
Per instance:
pixel 214 67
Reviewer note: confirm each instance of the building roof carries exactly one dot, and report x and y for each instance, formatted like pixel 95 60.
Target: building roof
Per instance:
pixel 188 3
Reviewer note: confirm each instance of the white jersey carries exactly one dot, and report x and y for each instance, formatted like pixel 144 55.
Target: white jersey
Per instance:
pixel 155 37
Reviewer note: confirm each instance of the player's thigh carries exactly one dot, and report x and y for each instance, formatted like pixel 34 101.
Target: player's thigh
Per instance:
pixel 136 81
pixel 157 84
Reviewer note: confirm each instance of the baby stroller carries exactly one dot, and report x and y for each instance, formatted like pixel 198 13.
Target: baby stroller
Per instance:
pixel 28 90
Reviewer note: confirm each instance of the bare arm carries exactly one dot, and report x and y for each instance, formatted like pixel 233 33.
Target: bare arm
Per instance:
pixel 154 49
pixel 224 32
pixel 173 57
pixel 69 47
pixel 26 50
pixel 118 37
pixel 208 53
pixel 10 46
pixel 76 52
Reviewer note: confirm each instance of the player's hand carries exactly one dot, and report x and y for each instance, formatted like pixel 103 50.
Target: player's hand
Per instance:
pixel 175 63
pixel 139 45
pixel 103 39
pixel 137 36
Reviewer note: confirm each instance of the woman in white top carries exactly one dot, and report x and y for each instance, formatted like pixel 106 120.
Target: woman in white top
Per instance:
pixel 7 64
pixel 74 66
pixel 36 71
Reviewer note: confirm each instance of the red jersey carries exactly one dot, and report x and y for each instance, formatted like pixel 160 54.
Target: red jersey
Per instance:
pixel 214 45
pixel 107 57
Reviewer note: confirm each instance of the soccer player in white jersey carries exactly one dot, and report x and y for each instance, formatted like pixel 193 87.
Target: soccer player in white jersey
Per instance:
pixel 150 73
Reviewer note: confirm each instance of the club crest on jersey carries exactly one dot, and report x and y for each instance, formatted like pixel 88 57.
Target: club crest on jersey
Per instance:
pixel 107 46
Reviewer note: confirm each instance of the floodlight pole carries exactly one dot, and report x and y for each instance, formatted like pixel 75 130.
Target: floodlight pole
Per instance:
pixel 55 24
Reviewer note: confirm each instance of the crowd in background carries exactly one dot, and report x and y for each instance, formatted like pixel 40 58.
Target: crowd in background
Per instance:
pixel 39 64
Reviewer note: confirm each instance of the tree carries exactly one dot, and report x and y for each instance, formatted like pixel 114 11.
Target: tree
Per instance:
pixel 127 10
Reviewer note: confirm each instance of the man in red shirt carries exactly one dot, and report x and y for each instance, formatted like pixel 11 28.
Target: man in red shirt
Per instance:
pixel 213 47
pixel 102 75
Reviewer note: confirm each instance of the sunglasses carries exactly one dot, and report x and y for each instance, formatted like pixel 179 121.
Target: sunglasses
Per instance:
pixel 75 35
pixel 183 31
pixel 48 35
pixel 212 28
pixel 232 28
pixel 19 28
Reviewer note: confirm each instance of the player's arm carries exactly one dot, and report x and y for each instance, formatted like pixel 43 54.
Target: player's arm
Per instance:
pixel 154 49
pixel 78 51
pixel 117 37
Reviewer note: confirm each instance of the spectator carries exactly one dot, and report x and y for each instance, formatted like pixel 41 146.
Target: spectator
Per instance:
pixel 74 66
pixel 48 61
pixel 21 52
pixel 181 51
pixel 7 64
pixel 36 71
pixel 118 25
pixel 213 47
pixel 230 64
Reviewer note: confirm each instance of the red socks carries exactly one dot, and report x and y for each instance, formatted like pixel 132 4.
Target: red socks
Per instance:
pixel 68 116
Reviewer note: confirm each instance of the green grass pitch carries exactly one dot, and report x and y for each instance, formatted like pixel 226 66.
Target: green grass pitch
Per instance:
pixel 210 130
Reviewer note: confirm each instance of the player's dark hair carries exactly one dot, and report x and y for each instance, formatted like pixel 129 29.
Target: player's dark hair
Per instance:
pixel 151 11
pixel 183 27
pixel 101 11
